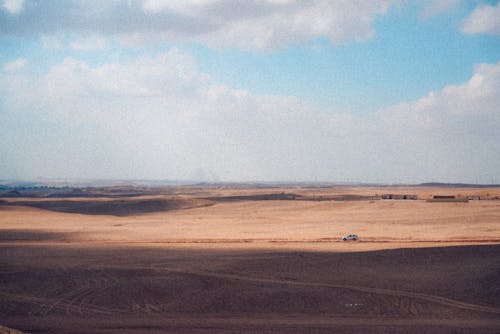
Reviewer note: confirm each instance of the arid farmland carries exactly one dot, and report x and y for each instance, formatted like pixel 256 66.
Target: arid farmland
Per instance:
pixel 250 260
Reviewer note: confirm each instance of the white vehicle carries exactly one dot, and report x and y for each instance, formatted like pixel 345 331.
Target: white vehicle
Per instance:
pixel 353 237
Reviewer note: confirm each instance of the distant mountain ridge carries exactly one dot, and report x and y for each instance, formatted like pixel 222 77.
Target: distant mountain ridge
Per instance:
pixel 458 185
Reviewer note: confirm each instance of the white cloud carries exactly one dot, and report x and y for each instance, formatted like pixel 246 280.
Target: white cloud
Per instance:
pixel 13 6
pixel 181 6
pixel 476 99
pixel 89 43
pixel 160 117
pixel 15 65
pixel 273 24
pixel 263 24
pixel 484 19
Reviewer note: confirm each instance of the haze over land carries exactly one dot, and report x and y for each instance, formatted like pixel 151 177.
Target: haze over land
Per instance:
pixel 358 91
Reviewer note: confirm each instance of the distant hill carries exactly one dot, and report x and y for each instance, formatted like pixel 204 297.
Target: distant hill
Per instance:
pixel 458 185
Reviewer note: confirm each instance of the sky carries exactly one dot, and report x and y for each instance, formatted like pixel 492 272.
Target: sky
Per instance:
pixel 382 91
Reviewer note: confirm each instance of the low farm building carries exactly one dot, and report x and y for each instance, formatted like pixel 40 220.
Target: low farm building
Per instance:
pixel 447 198
pixel 398 196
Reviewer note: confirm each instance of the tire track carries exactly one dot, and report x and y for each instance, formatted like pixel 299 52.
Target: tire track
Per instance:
pixel 60 305
pixel 381 291
pixel 75 301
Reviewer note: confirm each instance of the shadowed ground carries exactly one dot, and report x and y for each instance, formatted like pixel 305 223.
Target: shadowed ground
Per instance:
pixel 115 207
pixel 69 289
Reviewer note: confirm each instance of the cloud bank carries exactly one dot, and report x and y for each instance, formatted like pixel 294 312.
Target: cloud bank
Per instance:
pixel 160 117
pixel 249 24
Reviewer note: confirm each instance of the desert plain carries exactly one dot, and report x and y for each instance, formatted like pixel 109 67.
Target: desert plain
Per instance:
pixel 247 259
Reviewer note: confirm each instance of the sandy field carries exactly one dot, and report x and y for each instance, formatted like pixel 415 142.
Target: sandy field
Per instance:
pixel 250 260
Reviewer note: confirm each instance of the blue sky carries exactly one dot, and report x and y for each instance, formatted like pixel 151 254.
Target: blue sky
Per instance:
pixel 265 90
pixel 408 57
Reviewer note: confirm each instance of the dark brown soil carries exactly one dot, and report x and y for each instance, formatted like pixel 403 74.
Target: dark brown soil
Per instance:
pixel 85 289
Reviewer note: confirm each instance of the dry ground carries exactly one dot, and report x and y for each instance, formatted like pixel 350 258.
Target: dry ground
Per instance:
pixel 200 261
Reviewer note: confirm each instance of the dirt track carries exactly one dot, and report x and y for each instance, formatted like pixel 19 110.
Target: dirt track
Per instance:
pixel 253 267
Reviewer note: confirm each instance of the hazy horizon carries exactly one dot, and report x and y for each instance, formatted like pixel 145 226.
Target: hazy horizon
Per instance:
pixel 382 92
pixel 76 183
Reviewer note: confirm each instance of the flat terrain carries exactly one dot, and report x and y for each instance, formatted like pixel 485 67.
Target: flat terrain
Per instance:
pixel 250 260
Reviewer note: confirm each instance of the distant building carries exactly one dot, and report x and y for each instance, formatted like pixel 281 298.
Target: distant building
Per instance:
pixel 399 196
pixel 447 198
pixel 413 197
